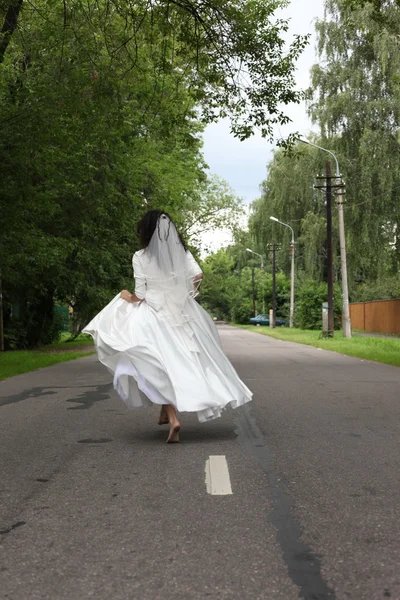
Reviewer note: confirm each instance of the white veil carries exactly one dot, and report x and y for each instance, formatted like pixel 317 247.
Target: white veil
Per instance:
pixel 168 267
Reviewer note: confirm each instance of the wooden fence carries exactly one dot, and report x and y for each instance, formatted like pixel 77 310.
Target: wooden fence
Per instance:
pixel 381 316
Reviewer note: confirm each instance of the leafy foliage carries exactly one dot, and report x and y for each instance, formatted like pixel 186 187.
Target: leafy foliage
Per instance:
pixel 309 300
pixel 355 100
pixel 102 106
pixel 230 55
pixel 227 287
pixel 386 289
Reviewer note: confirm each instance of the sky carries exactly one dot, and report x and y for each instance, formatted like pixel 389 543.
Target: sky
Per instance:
pixel 243 164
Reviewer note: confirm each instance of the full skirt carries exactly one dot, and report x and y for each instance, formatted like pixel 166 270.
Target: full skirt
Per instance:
pixel 154 360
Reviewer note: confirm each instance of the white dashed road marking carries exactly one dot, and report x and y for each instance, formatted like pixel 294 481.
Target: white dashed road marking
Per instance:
pixel 218 482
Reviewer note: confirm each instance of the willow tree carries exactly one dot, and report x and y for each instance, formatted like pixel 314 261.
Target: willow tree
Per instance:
pixel 355 100
pixel 288 194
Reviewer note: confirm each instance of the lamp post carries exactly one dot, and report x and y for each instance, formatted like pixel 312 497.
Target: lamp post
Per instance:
pixel 343 258
pixel 291 319
pixel 262 279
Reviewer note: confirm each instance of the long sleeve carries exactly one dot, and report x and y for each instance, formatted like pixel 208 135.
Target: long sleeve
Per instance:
pixel 194 268
pixel 140 279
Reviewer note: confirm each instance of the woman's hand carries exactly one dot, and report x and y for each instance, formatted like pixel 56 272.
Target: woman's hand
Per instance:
pixel 125 295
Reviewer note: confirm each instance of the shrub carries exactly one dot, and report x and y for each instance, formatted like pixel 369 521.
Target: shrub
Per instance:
pixel 308 305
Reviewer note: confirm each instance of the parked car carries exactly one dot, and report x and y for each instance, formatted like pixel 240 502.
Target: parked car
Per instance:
pixel 264 320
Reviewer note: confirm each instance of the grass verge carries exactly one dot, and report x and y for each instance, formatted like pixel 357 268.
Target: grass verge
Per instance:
pixel 66 343
pixel 384 350
pixel 16 362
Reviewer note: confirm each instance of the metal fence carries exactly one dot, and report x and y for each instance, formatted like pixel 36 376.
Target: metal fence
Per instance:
pixel 380 316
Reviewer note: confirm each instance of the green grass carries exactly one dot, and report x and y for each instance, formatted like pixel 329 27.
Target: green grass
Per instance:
pixel 384 350
pixel 16 362
pixel 389 335
pixel 66 343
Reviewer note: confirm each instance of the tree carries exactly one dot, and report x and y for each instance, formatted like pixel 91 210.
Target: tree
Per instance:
pixel 77 159
pixel 227 291
pixel 102 109
pixel 10 24
pixel 289 195
pixel 231 55
pixel 355 100
pixel 215 206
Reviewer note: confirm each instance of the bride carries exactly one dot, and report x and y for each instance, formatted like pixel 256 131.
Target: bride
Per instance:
pixel 161 345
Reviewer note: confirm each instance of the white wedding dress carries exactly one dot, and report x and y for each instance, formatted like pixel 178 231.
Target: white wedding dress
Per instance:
pixel 164 349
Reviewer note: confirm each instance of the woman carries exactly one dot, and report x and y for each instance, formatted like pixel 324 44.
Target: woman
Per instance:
pixel 159 343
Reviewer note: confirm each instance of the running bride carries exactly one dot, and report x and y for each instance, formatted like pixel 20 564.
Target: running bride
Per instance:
pixel 161 345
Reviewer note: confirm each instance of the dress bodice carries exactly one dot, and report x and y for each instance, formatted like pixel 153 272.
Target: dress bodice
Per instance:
pixel 142 265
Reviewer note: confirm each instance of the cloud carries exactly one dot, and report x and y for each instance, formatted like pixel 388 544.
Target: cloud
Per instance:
pixel 243 164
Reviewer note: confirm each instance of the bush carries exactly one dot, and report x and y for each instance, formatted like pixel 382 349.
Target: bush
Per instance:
pixel 385 289
pixel 308 305
pixel 242 311
pixel 54 328
pixel 15 336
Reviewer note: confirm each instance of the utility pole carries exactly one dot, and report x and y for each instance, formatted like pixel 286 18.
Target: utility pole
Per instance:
pixel 273 284
pixel 345 287
pixel 331 324
pixel 253 291
pixel 291 319
pixel 339 185
pixel 263 286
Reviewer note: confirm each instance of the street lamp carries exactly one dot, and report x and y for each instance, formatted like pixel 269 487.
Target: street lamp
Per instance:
pixel 343 259
pixel 292 270
pixel 262 279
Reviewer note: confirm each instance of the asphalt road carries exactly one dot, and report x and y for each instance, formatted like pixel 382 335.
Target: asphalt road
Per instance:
pixel 94 504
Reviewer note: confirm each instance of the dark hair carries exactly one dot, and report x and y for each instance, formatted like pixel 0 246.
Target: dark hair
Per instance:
pixel 147 226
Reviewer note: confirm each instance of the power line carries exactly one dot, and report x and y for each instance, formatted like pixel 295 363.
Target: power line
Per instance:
pixel 372 199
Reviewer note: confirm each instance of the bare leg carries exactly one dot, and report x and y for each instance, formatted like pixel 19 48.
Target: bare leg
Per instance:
pixel 174 425
pixel 163 418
